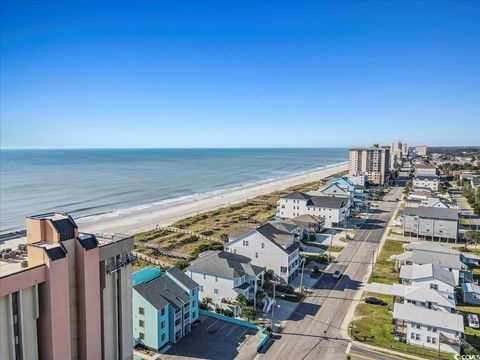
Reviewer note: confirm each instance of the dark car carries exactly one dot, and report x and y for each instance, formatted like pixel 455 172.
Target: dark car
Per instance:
pixel 374 301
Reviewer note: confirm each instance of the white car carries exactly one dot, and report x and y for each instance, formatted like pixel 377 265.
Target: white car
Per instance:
pixel 473 321
pixel 337 274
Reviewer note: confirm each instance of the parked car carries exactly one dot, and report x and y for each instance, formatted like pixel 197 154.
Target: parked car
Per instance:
pixel 374 301
pixel 473 321
pixel 337 274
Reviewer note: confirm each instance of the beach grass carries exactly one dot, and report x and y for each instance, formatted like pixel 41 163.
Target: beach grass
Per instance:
pixel 215 224
pixel 384 271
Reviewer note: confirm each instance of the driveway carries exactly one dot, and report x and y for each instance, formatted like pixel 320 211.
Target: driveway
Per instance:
pixel 215 339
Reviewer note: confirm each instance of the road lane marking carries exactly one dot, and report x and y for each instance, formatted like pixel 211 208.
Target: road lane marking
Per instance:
pixel 348 348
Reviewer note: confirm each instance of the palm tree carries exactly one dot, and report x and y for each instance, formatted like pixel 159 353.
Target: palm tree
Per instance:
pixel 241 300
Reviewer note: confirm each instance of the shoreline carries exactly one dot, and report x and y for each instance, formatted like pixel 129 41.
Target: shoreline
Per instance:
pixel 170 211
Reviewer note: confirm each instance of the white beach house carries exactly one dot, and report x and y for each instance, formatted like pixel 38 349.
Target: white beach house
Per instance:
pixel 222 276
pixel 269 247
pixel 428 328
pixel 334 210
pixel 428 276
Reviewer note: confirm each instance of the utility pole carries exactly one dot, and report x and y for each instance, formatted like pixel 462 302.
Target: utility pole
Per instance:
pixel 273 308
pixel 301 277
pixel 373 260
pixel 330 247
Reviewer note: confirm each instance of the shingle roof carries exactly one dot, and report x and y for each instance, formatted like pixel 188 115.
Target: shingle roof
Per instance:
pixel 272 233
pixel 285 225
pixel 224 264
pixel 432 213
pixel 426 177
pixel 182 278
pixel 308 219
pixel 318 201
pixel 327 202
pixel 297 196
pixel 236 233
pixel 424 316
pixel 418 272
pixel 162 291
pixel 292 248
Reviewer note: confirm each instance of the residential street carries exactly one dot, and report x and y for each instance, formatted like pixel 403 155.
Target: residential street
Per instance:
pixel 314 331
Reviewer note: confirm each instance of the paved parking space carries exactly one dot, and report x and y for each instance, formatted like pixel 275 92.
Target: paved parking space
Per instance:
pixel 215 339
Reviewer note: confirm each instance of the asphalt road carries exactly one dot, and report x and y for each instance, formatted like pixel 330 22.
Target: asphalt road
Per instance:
pixel 314 329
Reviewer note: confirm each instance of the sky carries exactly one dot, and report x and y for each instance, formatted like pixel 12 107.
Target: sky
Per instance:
pixel 147 74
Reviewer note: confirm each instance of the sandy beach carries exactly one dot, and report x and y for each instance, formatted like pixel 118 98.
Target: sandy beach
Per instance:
pixel 146 220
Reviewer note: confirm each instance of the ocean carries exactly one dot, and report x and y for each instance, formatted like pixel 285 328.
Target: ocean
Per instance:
pixel 90 182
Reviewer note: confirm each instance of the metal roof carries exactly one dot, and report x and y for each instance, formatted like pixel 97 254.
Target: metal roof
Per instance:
pixel 432 213
pixel 88 241
pixel 418 272
pixel 418 293
pixel 424 316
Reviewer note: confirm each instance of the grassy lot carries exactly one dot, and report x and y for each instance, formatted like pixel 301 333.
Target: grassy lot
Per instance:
pixel 383 272
pixel 375 320
pixel 333 248
pixel 216 223
pixel 469 309
pixel 467 250
pixel 473 337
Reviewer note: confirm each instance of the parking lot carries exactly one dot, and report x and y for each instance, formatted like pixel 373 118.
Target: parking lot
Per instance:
pixel 215 339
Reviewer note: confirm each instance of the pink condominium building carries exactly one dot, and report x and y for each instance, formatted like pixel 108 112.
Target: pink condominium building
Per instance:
pixel 65 294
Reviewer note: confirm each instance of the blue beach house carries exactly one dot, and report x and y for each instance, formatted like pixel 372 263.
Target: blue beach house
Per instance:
pixel 165 305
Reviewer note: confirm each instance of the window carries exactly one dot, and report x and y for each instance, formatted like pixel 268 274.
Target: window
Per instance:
pixel 215 291
pixel 263 245
pixel 434 341
pixel 412 336
pixel 204 276
pixel 434 286
pixel 417 337
pixel 434 330
pixel 141 311
pixel 193 314
pixel 141 323
pixel 201 288
pixel 163 337
pixel 256 255
pixel 141 336
pixel 429 339
pixel 283 269
pixel 162 324
pixel 216 278
pixel 194 303
pixel 429 328
pixel 193 292
pixel 418 326
pixel 162 312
